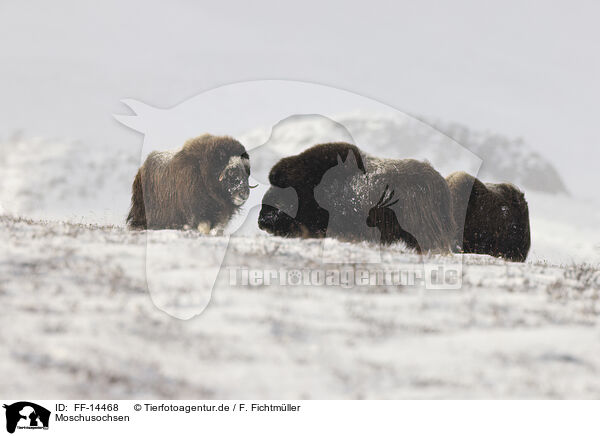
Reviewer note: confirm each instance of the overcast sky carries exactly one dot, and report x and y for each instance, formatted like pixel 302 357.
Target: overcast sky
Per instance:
pixel 519 68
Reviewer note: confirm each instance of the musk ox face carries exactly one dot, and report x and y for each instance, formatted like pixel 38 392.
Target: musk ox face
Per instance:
pixel 289 208
pixel 234 178
pixel 292 212
pixel 229 169
pixel 495 221
pixel 279 213
pixel 515 243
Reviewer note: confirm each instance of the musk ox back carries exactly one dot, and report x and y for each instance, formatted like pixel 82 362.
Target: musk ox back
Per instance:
pixel 491 218
pixel 338 186
pixel 199 186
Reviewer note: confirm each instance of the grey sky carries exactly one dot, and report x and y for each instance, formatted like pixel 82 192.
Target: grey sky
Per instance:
pixel 525 69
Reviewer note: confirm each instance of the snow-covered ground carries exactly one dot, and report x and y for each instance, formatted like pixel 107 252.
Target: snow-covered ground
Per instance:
pixel 79 321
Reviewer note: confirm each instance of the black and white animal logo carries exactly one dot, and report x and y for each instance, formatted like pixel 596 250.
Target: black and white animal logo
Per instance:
pixel 26 415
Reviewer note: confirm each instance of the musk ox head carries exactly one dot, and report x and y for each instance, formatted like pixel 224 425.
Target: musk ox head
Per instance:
pixel 225 163
pixel 289 208
pixel 492 218
pixel 515 243
pixel 279 211
pixel 234 178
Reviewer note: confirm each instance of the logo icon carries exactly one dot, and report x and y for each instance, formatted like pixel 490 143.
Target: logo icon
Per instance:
pixel 26 415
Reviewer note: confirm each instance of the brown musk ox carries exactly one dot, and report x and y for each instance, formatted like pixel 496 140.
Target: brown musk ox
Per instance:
pixel 338 186
pixel 199 186
pixel 303 173
pixel 491 218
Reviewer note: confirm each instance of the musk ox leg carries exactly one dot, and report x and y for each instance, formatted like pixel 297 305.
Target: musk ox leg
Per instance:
pixel 204 227
pixel 217 231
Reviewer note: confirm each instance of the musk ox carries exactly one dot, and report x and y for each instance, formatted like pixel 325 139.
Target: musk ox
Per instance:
pixel 491 218
pixel 199 186
pixel 303 173
pixel 340 193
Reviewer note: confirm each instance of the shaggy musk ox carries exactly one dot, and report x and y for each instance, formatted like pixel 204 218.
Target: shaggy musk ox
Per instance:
pixel 303 173
pixel 199 186
pixel 496 219
pixel 342 192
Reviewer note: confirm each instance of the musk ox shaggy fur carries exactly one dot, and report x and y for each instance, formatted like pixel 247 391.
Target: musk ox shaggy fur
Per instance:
pixel 339 189
pixel 383 216
pixel 303 173
pixel 491 218
pixel 199 186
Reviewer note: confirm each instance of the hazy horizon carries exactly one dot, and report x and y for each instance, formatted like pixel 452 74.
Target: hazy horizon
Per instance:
pixel 512 68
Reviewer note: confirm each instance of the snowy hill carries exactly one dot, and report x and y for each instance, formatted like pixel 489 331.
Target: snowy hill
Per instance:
pixel 88 328
pixel 506 159
pixel 65 180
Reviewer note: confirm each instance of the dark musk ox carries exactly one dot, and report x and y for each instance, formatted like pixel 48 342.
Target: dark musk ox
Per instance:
pixel 199 186
pixel 338 189
pixel 303 173
pixel 491 218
